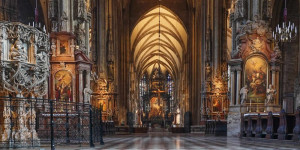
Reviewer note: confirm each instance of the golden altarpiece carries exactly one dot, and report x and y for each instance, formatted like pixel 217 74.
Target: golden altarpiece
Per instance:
pixel 70 70
pixel 254 73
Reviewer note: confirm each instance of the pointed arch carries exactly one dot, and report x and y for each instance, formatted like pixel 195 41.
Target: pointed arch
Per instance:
pixel 148 48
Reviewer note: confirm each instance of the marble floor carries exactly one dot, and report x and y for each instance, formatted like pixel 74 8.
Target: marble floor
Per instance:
pixel 190 141
pixel 156 141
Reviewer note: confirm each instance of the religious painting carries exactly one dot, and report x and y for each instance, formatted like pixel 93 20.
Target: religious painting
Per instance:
pixel 256 76
pixel 156 107
pixel 63 86
pixel 103 104
pixel 63 47
pixel 217 104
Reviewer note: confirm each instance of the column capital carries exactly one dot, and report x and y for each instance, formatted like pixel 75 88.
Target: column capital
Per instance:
pixel 80 71
pixel 275 68
pixel 236 68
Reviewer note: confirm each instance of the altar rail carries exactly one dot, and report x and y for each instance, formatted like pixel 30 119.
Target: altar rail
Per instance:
pixel 270 125
pixel 33 122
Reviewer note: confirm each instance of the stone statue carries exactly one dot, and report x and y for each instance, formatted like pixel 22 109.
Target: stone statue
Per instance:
pixel 17 52
pixel 177 115
pixel 81 37
pixel 244 93
pixel 87 94
pixel 276 55
pixel 64 21
pixel 241 9
pixel 270 94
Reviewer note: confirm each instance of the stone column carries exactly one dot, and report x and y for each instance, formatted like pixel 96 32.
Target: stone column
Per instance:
pixel 80 86
pixel 232 87
pixel 235 66
pixel 238 85
pixel 275 68
pixel 87 85
pixel 87 37
pixel 273 77
pixel 216 36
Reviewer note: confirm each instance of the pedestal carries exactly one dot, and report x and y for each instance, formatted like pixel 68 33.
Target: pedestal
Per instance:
pixel 234 121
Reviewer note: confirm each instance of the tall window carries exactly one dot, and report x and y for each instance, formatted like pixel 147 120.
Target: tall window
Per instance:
pixel 170 89
pixel 143 87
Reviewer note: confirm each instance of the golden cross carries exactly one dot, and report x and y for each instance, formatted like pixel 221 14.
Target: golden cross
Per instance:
pixel 158 94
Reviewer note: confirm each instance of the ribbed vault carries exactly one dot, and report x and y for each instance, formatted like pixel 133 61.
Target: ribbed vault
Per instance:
pixel 149 49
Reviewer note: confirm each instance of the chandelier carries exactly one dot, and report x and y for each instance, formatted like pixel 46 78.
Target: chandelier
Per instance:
pixel 287 32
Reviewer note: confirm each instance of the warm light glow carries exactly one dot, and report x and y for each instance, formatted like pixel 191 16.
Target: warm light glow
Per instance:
pixel 166 50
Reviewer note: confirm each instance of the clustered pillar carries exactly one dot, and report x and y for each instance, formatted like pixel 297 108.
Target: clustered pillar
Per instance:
pixel 235 73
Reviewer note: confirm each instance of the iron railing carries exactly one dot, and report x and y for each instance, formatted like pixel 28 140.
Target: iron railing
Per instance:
pixel 32 122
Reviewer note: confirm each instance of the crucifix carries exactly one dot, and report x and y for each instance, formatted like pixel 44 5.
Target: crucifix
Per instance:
pixel 158 95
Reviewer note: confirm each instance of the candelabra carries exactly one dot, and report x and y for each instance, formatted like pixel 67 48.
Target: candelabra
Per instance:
pixel 287 32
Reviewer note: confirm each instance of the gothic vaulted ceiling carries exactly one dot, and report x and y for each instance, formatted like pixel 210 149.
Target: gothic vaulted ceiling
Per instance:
pixel 159 37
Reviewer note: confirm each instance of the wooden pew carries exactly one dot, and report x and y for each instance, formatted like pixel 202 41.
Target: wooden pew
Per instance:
pixel 282 130
pixel 296 130
pixel 249 127
pixel 243 126
pixel 258 129
pixel 272 125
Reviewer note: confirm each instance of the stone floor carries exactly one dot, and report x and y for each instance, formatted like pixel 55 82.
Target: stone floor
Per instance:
pixel 156 141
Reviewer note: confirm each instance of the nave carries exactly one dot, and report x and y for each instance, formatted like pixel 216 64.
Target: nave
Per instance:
pixel 165 140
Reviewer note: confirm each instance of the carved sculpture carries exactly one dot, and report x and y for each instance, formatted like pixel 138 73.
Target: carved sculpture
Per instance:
pixel 17 52
pixel 177 115
pixel 270 94
pixel 17 76
pixel 267 11
pixel 81 37
pixel 244 93
pixel 22 77
pixel 276 55
pixel 252 37
pixel 87 94
pixel 64 20
pixel 241 9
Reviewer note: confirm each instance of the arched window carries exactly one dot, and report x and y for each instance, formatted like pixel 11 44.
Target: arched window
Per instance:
pixel 170 90
pixel 143 86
